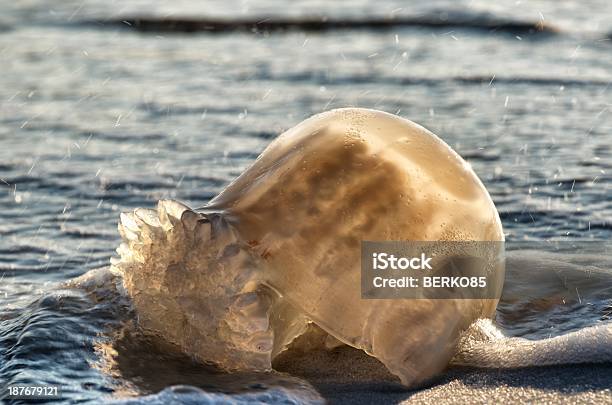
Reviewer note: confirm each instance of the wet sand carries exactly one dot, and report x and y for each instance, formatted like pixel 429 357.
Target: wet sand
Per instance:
pixel 345 375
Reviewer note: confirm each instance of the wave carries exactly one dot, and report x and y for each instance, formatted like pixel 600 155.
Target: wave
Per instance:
pixel 311 24
pixel 192 395
pixel 323 79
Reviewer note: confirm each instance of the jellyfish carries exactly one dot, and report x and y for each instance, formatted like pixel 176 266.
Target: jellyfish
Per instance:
pixel 278 250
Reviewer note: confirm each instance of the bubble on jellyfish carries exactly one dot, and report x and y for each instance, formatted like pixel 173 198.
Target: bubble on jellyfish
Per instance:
pixel 237 281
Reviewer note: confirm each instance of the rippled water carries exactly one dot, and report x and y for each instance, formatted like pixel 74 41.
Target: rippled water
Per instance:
pixel 98 119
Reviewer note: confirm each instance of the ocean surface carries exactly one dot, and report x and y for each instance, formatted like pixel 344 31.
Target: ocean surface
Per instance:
pixel 99 116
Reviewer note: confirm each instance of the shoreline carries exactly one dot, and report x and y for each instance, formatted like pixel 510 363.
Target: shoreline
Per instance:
pixel 346 375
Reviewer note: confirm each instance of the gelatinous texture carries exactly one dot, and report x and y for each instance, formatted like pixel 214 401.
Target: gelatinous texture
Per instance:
pixel 238 280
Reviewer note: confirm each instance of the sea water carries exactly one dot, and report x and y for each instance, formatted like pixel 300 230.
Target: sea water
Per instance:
pixel 96 119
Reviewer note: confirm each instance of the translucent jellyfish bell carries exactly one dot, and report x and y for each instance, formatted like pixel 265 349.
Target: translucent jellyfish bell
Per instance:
pixel 235 282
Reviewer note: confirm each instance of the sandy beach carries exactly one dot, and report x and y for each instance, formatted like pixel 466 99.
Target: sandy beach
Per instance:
pixel 345 375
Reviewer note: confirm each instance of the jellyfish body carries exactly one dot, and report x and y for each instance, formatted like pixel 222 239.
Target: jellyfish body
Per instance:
pixel 236 281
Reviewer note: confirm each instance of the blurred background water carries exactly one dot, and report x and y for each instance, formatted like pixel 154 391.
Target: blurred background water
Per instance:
pixel 97 117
